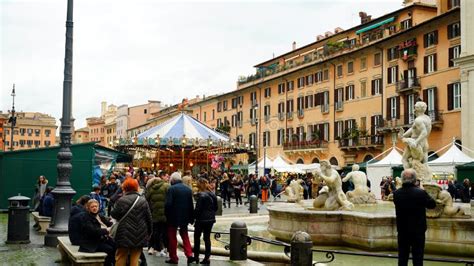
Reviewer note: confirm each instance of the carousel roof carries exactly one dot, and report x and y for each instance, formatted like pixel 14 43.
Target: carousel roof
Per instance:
pixel 180 125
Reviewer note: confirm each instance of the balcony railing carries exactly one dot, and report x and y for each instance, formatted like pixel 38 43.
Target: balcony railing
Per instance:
pixel 406 120
pixel 367 142
pixel 305 144
pixel 408 84
pixel 289 115
pixel 281 116
pixel 300 113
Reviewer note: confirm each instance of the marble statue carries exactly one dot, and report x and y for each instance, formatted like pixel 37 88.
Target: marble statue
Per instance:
pixel 294 191
pixel 331 197
pixel 360 194
pixel 415 155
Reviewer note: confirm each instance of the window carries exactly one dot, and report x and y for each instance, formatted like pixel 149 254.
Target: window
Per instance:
pixel 393 108
pixel 266 112
pixel 219 107
pixel 289 106
pixel 430 38
pixel 392 75
pixel 430 63
pixel 252 139
pixel 338 98
pixel 23 142
pixel 363 88
pixel 376 86
pixel 377 59
pixel 22 131
pixel 454 53
pixel 266 138
pixel 281 88
pixel 338 129
pixel 406 24
pixel 325 102
pixel 29 143
pixel 37 132
pixel 363 63
pixel 308 101
pixel 205 116
pixel 392 29
pixel 47 143
pixel 145 111
pixel 429 96
pixel 300 83
pixel 454 3
pixel 454 96
pixel 234 102
pixel 268 92
pixel 392 53
pixel 253 98
pixel 224 105
pixel 454 30
pixel 309 80
pixel 280 136
pixel 326 74
pixel 29 131
pixel 339 71
pixel 350 92
pixel 318 77
pixel 350 67
pixel 290 85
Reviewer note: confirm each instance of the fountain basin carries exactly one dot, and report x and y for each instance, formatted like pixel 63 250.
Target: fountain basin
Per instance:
pixel 369 227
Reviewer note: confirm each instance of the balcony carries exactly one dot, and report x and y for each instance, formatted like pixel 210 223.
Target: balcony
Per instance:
pixel 300 113
pixel 408 85
pixel 394 124
pixel 374 142
pixel 305 145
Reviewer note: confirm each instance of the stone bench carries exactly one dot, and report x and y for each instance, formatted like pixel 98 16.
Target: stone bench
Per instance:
pixel 70 254
pixel 41 222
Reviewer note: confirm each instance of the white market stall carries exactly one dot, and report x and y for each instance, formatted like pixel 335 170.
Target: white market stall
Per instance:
pixel 446 163
pixel 266 163
pixel 281 165
pixel 377 170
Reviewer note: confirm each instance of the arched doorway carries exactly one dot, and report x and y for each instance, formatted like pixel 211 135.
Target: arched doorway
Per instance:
pixel 432 156
pixel 368 157
pixel 300 161
pixel 315 160
pixel 333 161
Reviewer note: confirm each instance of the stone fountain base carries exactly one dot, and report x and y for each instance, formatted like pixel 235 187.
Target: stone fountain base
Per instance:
pixel 368 227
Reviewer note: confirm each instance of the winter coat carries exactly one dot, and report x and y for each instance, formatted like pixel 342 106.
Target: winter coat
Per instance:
pixel 206 207
pixel 47 205
pixel 136 227
pixel 156 196
pixel 410 208
pixel 91 232
pixel 179 205
pixel 75 223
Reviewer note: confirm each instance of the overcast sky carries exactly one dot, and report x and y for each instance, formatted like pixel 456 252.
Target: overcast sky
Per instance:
pixel 126 52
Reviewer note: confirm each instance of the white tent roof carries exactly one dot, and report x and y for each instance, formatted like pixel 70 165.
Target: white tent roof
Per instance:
pixel 268 163
pixel 280 162
pixel 393 158
pixel 281 165
pixel 452 156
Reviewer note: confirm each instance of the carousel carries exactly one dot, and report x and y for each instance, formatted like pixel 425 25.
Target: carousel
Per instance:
pixel 181 143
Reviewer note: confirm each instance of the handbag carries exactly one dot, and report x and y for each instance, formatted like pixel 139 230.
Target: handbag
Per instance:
pixel 114 227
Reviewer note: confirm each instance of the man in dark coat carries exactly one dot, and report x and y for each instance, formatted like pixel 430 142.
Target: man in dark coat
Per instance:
pixel 47 203
pixel 76 218
pixel 179 210
pixel 410 207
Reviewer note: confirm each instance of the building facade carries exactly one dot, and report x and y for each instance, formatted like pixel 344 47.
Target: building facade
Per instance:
pixel 344 97
pixel 81 135
pixel 3 121
pixel 96 127
pixel 32 130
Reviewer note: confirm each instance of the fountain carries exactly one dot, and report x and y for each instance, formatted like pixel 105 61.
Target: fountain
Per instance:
pixel 350 220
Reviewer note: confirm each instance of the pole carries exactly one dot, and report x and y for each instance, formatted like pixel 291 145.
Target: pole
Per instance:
pixel 256 142
pixel 12 118
pixel 63 191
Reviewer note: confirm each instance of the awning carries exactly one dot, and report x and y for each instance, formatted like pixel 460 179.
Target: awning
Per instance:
pixel 376 25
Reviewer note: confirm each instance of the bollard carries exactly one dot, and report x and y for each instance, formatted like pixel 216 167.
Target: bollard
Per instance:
pixel 253 204
pixel 301 246
pixel 238 241
pixel 219 206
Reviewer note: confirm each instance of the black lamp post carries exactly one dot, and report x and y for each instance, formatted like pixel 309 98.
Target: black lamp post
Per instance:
pixel 63 191
pixel 12 119
pixel 255 107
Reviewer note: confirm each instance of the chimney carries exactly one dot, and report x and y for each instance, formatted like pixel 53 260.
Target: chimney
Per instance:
pixel 319 37
pixel 294 45
pixel 327 34
pixel 364 18
pixel 338 29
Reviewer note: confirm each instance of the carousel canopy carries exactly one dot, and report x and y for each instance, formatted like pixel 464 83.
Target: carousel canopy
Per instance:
pixel 183 125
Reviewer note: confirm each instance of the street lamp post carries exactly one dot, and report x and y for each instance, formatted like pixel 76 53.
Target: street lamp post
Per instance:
pixel 12 119
pixel 63 191
pixel 255 107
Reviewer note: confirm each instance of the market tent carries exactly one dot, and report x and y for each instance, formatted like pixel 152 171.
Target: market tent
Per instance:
pixel 308 167
pixel 377 170
pixel 268 165
pixel 447 162
pixel 281 165
pixel 179 126
pixel 465 171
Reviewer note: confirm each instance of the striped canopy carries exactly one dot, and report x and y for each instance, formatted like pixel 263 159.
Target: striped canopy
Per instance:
pixel 179 126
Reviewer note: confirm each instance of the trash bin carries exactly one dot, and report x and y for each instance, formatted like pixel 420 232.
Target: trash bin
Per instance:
pixel 18 220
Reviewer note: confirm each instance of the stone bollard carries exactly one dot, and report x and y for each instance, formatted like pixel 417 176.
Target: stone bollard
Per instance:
pixel 301 246
pixel 219 206
pixel 253 206
pixel 238 241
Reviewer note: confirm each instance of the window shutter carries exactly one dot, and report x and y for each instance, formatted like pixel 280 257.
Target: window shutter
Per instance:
pixel 389 75
pixel 436 37
pixel 347 93
pixel 435 62
pixel 451 55
pixel 396 73
pixel 336 128
pixel 336 96
pixel 388 107
pixel 425 40
pixel 449 5
pixel 398 106
pixel 372 125
pixel 435 100
pixel 450 31
pixel 373 87
pixel 405 76
pixel 425 64
pixel 425 99
pixel 450 97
